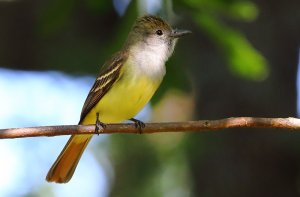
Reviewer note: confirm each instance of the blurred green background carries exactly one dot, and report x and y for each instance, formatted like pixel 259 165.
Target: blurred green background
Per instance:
pixel 241 60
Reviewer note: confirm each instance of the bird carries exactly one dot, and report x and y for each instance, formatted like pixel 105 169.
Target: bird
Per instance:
pixel 125 84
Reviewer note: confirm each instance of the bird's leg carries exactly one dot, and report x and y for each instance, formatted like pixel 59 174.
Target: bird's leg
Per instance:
pixel 138 124
pixel 99 124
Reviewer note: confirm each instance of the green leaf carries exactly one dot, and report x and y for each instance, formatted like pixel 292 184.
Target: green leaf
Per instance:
pixel 240 10
pixel 243 59
pixel 243 10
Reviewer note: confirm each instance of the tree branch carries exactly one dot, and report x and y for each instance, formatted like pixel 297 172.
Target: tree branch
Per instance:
pixel 199 126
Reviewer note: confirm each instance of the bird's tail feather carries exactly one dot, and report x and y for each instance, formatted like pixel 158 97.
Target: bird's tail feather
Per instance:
pixel 63 168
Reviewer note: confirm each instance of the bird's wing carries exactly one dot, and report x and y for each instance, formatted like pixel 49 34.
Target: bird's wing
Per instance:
pixel 109 74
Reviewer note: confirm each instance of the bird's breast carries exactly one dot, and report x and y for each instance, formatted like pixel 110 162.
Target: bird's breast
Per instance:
pixel 126 98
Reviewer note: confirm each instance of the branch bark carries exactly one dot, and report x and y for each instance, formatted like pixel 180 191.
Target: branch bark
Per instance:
pixel 189 126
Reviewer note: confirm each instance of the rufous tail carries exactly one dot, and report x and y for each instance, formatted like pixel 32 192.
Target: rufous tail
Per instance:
pixel 63 168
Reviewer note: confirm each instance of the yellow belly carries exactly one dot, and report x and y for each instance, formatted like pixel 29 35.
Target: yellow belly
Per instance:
pixel 124 100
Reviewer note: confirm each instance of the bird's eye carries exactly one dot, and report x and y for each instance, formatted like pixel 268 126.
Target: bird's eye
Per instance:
pixel 159 32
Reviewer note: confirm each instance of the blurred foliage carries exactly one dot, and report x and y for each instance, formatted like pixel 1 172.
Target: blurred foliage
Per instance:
pixel 236 9
pixel 55 16
pixel 243 60
pixel 125 165
pixel 78 36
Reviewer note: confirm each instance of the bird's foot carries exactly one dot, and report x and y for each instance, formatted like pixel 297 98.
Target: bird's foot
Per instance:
pixel 100 126
pixel 138 124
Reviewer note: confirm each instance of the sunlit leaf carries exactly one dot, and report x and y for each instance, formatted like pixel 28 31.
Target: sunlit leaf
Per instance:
pixel 239 10
pixel 243 10
pixel 243 59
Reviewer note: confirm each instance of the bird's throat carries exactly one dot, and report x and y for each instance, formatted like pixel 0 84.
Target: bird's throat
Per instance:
pixel 149 60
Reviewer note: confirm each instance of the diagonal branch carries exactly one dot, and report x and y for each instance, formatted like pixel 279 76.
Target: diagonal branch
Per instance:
pixel 196 126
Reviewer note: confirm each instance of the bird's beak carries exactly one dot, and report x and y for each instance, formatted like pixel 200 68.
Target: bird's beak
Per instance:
pixel 178 33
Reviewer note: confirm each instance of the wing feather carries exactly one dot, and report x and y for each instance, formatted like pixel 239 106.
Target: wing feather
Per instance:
pixel 109 74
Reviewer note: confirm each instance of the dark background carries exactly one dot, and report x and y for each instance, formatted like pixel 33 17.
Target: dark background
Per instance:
pixel 241 60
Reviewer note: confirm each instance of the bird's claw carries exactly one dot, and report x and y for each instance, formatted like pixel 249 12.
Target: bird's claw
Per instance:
pixel 100 126
pixel 138 124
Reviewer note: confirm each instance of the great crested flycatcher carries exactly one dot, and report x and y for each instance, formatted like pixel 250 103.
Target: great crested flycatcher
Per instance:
pixel 125 84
